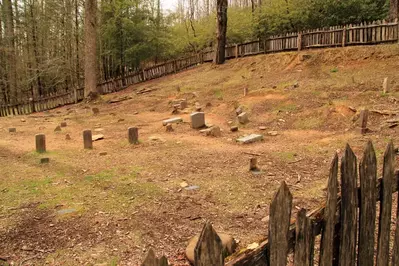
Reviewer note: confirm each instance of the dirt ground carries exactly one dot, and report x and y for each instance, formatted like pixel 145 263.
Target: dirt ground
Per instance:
pixel 87 209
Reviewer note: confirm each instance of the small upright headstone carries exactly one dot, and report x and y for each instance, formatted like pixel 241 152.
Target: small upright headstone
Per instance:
pixel 40 143
pixel 214 132
pixel 198 107
pixel 364 115
pixel 67 137
pixel 133 135
pixel 234 129
pixel 243 118
pixel 57 129
pixel 169 128
pixel 183 104
pixel 253 164
pixel 44 160
pixel 87 139
pixel 239 110
pixel 385 86
pixel 12 130
pixel 63 124
pixel 96 111
pixel 197 120
pixel 245 91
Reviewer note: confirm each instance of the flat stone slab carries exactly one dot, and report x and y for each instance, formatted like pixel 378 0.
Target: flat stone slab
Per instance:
pixel 98 137
pixel 250 139
pixel 174 120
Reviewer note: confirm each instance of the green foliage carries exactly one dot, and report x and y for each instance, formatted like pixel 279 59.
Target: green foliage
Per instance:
pixel 281 16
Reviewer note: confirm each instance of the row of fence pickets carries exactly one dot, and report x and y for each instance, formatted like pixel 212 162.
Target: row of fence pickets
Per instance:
pixel 346 222
pixel 361 34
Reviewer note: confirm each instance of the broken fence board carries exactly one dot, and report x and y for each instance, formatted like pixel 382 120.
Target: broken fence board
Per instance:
pixel 327 237
pixel 304 243
pixel 280 214
pixel 209 249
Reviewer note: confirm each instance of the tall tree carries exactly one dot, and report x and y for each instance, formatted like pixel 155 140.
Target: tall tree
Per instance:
pixel 221 10
pixel 10 50
pixel 393 10
pixel 91 48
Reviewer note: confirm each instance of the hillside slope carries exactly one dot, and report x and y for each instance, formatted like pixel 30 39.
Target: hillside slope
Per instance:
pixel 87 208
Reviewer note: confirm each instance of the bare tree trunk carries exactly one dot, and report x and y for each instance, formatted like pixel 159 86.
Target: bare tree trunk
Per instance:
pixel 393 10
pixel 10 44
pixel 221 9
pixel 90 49
pixel 77 51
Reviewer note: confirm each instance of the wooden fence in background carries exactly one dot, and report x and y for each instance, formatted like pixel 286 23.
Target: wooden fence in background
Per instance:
pixel 346 222
pixel 340 36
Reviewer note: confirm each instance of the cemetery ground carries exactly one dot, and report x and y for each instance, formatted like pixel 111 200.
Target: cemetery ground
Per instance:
pixel 85 208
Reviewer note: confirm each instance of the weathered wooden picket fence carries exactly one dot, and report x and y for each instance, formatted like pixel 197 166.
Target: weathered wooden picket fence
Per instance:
pixel 346 222
pixel 340 36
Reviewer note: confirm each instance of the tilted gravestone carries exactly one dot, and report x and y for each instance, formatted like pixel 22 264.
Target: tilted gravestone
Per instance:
pixel 197 120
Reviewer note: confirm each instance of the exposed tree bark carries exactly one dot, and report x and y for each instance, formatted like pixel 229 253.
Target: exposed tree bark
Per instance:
pixel 393 10
pixel 10 51
pixel 90 49
pixel 221 9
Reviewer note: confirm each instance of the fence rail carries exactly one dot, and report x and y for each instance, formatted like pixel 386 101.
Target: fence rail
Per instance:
pixel 346 222
pixel 376 32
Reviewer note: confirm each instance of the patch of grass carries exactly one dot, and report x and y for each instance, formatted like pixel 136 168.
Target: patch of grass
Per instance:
pixel 334 70
pixel 218 94
pixel 286 107
pixel 285 156
pixel 308 123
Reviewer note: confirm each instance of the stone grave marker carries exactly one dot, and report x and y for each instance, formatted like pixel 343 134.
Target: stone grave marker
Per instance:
pixel 197 120
pixel 133 135
pixel 44 160
pixel 364 115
pixel 87 139
pixel 385 86
pixel 243 118
pixel 40 143
pixel 172 121
pixel 95 110
pixel 250 139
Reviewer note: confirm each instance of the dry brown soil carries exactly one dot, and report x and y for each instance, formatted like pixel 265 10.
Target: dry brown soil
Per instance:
pixel 87 209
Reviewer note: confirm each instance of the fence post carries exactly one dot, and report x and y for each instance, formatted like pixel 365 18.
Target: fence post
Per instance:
pixel 344 36
pixel 299 41
pixel 397 30
pixel 236 51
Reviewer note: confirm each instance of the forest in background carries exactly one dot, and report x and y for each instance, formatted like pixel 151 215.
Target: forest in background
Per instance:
pixel 42 41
